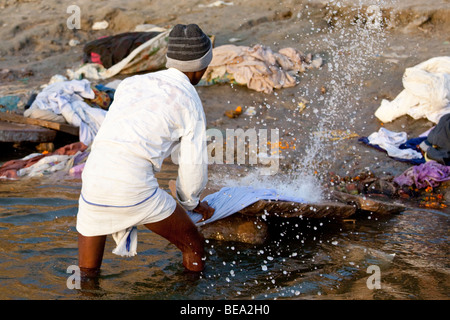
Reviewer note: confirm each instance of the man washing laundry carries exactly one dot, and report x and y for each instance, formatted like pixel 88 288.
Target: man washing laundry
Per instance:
pixel 152 116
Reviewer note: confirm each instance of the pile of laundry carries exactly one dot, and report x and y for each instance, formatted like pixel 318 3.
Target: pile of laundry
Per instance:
pixel 426 93
pixel 258 67
pixel 66 158
pixel 76 102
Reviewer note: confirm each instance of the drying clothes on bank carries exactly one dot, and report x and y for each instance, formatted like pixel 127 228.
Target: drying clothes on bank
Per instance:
pixel 429 174
pixel 396 145
pixel 141 129
pixel 426 93
pixel 258 67
pixel 39 164
pixel 148 56
pixel 437 144
pixel 67 98
pixel 226 202
pixel 110 50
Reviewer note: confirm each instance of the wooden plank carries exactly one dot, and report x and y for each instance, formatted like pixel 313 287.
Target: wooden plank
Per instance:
pixel 63 127
pixel 19 132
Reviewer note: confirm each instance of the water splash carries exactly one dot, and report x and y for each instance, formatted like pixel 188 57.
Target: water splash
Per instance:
pixel 355 36
pixel 301 186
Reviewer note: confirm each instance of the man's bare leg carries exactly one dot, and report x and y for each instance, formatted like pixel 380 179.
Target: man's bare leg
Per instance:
pixel 179 229
pixel 90 254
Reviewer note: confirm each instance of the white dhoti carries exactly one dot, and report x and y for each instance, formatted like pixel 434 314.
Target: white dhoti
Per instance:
pixel 96 219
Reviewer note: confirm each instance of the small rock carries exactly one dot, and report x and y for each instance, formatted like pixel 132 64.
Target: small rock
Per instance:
pixel 74 42
pixel 101 25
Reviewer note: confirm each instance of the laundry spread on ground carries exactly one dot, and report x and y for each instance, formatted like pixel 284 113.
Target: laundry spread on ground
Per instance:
pixel 38 164
pixel 257 67
pixel 110 50
pixel 225 202
pixel 426 93
pixel 67 99
pixel 396 144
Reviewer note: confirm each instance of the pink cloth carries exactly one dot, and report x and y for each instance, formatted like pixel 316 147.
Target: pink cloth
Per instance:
pixel 95 58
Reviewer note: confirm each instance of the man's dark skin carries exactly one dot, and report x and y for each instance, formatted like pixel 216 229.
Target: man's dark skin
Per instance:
pixel 178 228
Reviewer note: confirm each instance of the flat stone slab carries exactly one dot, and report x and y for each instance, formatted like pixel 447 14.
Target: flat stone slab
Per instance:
pixel 288 209
pixel 369 203
pixel 249 224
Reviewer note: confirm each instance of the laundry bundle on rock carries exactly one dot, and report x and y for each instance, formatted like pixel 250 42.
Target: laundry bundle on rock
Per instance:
pixel 226 202
pixel 426 93
pixel 258 67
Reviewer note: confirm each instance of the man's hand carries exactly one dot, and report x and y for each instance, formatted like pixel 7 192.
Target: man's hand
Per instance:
pixel 205 210
pixel 202 208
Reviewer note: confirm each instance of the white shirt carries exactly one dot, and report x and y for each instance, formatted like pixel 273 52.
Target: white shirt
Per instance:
pixel 150 116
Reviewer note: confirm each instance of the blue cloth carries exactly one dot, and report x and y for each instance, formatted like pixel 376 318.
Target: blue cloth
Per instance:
pixel 230 200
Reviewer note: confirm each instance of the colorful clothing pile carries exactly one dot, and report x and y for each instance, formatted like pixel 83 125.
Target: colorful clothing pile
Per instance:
pixel 39 164
pixel 429 174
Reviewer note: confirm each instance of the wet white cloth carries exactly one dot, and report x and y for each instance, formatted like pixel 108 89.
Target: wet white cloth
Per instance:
pixel 226 202
pixel 66 98
pixel 426 92
pixel 230 200
pixel 391 141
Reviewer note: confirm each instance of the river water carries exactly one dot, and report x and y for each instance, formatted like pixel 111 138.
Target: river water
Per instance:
pixel 406 254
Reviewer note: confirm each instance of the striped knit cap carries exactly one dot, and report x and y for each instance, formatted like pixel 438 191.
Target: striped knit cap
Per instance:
pixel 189 49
